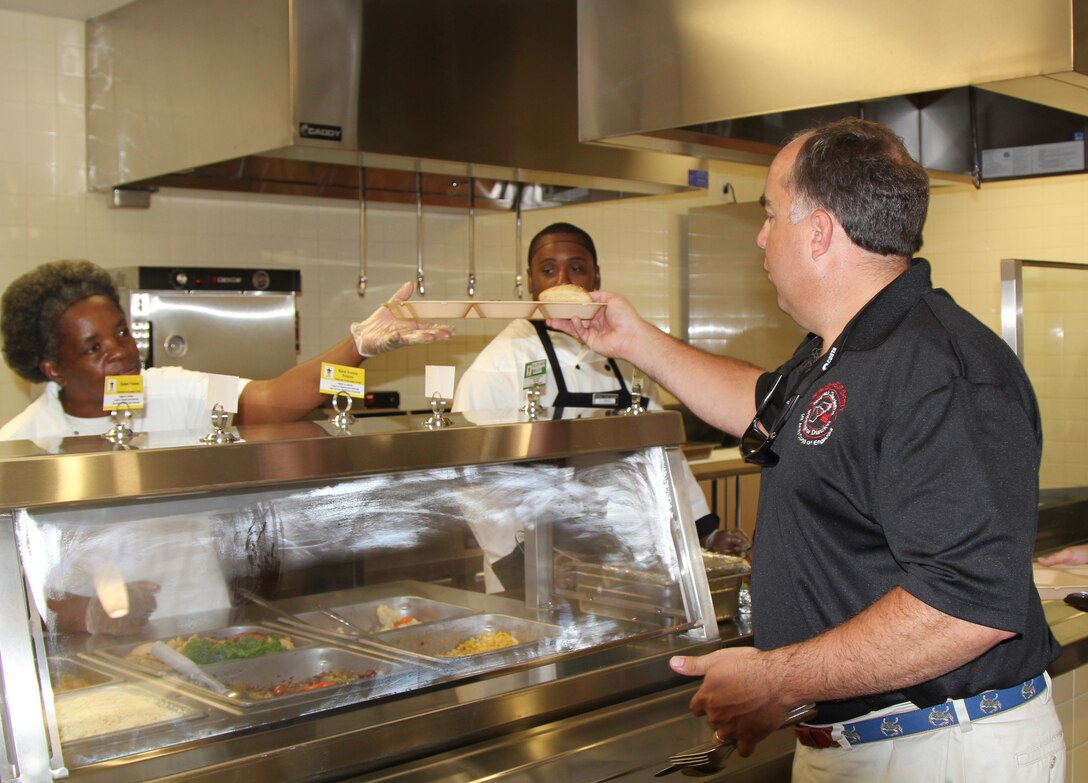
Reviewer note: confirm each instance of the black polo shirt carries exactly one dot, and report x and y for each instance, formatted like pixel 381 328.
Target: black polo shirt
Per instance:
pixel 911 461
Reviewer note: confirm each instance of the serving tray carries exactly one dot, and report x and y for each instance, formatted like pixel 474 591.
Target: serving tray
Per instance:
pixel 424 310
pixel 148 665
pixel 296 666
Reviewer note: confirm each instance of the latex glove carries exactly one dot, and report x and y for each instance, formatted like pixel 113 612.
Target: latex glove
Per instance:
pixel 386 328
pixel 141 603
pixel 728 542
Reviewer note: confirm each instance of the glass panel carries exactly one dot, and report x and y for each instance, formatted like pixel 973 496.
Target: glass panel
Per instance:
pixel 377 587
pixel 1055 315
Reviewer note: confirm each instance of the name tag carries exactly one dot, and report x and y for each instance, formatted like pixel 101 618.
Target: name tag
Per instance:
pixel 604 399
pixel 535 374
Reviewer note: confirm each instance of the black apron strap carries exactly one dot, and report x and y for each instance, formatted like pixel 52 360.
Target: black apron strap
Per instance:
pixel 618 399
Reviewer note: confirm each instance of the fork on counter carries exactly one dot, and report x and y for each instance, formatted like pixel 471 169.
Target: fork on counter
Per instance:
pixel 712 757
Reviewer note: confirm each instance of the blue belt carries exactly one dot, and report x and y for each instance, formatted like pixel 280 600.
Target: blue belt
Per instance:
pixel 939 716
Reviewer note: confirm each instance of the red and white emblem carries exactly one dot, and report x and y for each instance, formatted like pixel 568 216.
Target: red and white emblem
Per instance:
pixel 819 417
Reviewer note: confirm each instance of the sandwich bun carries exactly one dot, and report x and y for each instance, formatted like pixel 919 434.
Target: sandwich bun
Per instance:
pixel 565 293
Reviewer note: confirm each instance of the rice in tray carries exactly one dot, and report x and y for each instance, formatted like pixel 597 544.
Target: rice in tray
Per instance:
pixel 92 712
pixel 481 643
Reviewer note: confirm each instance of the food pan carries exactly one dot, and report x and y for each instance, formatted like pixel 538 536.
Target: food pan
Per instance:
pixel 69 675
pixel 253 681
pixel 105 711
pixel 365 616
pixel 725 574
pixel 627 582
pixel 628 594
pixel 431 641
pixel 138 655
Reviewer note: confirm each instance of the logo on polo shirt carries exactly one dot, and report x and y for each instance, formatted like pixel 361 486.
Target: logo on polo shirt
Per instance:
pixel 818 420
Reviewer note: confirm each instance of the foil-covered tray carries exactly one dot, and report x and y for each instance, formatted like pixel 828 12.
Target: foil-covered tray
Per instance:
pixel 386 614
pixel 137 655
pixel 106 712
pixel 724 575
pixel 67 674
pixel 301 674
pixel 440 641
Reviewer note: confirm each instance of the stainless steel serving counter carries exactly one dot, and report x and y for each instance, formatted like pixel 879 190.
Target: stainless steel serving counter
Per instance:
pixel 609 583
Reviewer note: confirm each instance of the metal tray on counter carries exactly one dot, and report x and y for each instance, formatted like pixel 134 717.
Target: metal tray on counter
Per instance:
pixel 67 675
pixel 293 667
pixel 123 653
pixel 641 596
pixel 365 615
pixel 724 575
pixel 433 641
pixel 107 712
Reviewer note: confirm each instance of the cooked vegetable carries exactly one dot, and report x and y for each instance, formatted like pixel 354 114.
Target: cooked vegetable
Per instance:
pixel 207 649
pixel 329 679
pixel 389 618
pixel 481 643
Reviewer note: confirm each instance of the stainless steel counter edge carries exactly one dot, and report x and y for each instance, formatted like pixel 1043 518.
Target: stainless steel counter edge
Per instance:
pixel 91 470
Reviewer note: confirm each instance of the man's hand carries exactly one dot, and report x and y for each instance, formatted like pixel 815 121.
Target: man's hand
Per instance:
pixel 613 330
pixel 385 329
pixel 736 696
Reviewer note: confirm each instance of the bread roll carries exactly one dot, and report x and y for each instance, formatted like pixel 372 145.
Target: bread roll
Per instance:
pixel 565 293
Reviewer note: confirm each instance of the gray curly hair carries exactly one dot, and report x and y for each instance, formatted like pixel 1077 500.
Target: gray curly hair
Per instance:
pixel 32 305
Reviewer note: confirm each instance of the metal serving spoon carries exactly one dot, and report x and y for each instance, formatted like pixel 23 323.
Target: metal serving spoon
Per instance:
pixel 180 663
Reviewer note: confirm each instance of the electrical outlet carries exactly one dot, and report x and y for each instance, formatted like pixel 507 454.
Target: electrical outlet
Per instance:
pixel 725 190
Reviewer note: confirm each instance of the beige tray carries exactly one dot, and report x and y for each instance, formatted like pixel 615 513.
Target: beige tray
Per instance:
pixel 424 310
pixel 1060 581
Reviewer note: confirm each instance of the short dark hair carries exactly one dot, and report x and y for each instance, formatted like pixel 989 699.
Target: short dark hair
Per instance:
pixel 861 172
pixel 32 305
pixel 564 228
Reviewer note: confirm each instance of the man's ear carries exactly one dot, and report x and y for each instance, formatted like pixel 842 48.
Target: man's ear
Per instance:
pixel 823 227
pixel 51 371
pixel 597 279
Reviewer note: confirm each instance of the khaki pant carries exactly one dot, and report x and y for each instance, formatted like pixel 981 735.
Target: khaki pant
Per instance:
pixel 1021 745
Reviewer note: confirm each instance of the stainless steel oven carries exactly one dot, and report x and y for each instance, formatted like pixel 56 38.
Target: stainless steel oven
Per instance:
pixel 222 320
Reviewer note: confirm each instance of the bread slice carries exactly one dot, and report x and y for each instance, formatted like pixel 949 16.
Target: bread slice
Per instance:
pixel 565 293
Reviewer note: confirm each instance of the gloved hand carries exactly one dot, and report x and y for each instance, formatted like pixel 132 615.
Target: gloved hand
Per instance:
pixel 728 542
pixel 141 603
pixel 386 329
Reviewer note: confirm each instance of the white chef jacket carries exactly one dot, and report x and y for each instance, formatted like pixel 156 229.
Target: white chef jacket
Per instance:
pixel 497 380
pixel 175 399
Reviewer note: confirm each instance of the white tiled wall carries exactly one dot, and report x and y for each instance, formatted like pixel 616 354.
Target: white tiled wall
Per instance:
pixel 967 235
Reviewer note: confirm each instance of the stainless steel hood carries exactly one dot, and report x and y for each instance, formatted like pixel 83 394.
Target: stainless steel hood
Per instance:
pixel 656 74
pixel 296 95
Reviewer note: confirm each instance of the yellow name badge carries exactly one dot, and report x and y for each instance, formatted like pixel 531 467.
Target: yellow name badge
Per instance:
pixel 123 392
pixel 337 378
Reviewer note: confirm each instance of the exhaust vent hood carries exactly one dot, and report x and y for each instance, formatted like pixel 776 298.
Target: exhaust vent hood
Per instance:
pixel 298 96
pixel 732 79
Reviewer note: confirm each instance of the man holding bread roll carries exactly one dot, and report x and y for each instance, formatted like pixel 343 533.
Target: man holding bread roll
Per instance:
pixel 526 354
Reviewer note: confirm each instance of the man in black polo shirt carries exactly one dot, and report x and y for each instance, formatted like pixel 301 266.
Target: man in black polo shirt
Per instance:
pixel 900 446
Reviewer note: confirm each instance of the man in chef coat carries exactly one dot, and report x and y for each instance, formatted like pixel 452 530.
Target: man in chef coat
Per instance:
pixel 62 324
pixel 525 354
pixel 900 446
